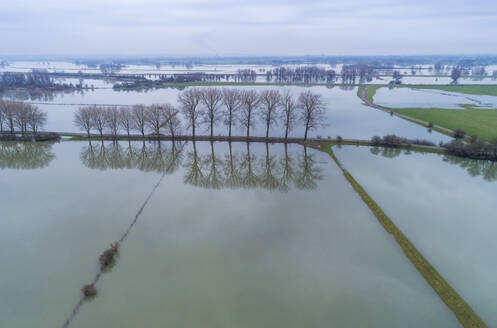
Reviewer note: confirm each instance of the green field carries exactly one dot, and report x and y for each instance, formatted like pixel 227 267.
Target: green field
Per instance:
pixel 474 121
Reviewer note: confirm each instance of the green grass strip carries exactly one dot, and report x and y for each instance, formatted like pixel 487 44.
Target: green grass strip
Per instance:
pixel 463 312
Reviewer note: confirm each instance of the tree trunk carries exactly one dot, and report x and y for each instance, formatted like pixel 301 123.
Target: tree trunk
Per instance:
pixel 212 125
pixel 248 125
pixel 229 129
pixel 193 128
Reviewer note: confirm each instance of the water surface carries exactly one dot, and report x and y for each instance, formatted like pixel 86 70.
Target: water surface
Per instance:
pixel 446 206
pixel 252 235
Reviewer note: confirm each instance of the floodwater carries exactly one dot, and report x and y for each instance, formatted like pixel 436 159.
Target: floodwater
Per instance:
pixel 243 236
pixel 346 115
pixel 446 206
pixel 428 98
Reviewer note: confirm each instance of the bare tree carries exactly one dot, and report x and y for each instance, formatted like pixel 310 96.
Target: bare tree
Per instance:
pixel 2 114
pixel 36 119
pixel 97 115
pixel 189 100
pixel 126 119
pixel 154 117
pixel 112 120
pixel 138 116
pixel 10 114
pixel 397 77
pixel 232 101
pixel 21 115
pixel 455 74
pixel 211 98
pixel 250 102
pixel 289 112
pixel 270 100
pixel 172 121
pixel 82 119
pixel 312 107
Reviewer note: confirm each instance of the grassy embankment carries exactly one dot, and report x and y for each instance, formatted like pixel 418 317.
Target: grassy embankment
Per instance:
pixel 461 309
pixel 474 121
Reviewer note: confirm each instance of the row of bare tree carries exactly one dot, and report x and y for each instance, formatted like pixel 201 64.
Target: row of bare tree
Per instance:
pixel 138 118
pixel 21 116
pixel 211 106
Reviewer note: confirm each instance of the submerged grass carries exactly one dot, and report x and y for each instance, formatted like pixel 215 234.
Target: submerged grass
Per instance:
pixel 461 309
pixel 473 89
pixel 470 89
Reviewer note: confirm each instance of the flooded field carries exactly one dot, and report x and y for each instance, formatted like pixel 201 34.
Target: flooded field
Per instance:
pixel 421 98
pixel 446 206
pixel 276 238
pixel 242 235
pixel 424 74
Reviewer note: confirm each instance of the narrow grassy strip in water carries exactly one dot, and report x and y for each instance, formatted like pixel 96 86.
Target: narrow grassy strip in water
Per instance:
pixel 464 313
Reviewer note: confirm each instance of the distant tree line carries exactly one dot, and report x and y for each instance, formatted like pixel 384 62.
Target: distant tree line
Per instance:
pixel 306 74
pixel 36 79
pixel 17 116
pixel 364 72
pixel 110 68
pixel 209 107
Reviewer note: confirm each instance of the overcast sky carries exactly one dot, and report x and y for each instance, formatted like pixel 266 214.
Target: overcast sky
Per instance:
pixel 248 27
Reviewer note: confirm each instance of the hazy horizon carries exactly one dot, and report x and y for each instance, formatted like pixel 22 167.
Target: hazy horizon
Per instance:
pixel 237 28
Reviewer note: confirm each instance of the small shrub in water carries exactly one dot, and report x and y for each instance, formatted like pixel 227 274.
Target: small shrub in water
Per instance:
pixel 89 290
pixel 430 125
pixel 107 257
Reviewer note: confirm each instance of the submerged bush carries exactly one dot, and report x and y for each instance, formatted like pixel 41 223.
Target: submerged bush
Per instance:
pixel 89 290
pixel 107 257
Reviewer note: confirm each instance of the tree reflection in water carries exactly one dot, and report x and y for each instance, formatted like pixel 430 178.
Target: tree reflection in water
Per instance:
pixel 486 169
pixel 154 157
pixel 208 169
pixel 475 167
pixel 25 155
